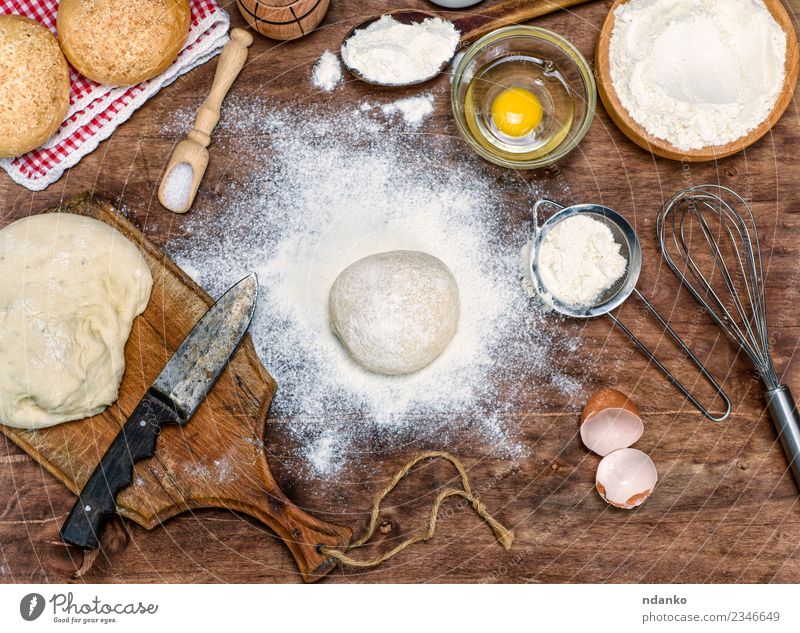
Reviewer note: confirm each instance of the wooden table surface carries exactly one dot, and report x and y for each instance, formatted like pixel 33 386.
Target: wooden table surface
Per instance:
pixel 725 510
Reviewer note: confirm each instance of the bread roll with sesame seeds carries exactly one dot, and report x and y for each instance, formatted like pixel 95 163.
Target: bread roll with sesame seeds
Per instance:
pixel 122 42
pixel 34 85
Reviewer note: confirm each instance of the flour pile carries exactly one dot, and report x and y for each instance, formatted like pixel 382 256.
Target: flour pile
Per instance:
pixel 697 73
pixel 413 110
pixel 579 260
pixel 391 53
pixel 327 72
pixel 333 187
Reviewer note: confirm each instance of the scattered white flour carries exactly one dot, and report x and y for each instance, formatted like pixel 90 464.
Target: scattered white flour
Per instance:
pixel 391 53
pixel 327 73
pixel 178 187
pixel 697 73
pixel 223 469
pixel 414 110
pixel 579 260
pixel 331 187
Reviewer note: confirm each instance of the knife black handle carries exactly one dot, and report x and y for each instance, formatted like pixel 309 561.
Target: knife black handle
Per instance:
pixel 135 441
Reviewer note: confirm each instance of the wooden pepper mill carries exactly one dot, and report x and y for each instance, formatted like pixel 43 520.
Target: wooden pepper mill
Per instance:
pixel 283 19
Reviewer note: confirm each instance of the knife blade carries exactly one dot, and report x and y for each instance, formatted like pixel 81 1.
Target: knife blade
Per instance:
pixel 173 398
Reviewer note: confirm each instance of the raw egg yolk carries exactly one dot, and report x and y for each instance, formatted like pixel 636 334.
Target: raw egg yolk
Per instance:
pixel 516 112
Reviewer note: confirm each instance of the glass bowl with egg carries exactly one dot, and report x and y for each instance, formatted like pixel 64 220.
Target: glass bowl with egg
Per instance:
pixel 523 97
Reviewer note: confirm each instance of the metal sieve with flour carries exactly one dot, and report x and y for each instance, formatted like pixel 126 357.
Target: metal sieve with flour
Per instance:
pixel 612 298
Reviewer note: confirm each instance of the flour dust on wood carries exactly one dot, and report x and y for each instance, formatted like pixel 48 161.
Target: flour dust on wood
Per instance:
pixel 328 188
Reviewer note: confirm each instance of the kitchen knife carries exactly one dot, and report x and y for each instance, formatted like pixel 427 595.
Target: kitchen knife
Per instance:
pixel 171 399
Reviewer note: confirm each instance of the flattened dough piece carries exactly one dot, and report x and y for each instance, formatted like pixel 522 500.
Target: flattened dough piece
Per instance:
pixel 70 287
pixel 395 312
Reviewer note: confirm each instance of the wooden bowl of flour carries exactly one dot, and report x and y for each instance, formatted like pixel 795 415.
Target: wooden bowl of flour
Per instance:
pixel 635 132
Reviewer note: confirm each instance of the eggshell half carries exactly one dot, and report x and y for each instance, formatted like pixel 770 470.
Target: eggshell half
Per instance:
pixel 625 478
pixel 609 422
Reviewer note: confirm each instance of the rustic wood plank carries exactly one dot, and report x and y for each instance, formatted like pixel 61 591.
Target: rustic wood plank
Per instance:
pixel 726 508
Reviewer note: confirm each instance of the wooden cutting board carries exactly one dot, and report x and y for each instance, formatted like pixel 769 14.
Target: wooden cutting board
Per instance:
pixel 215 461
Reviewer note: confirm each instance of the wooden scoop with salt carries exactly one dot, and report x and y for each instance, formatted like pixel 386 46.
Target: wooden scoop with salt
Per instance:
pixel 190 158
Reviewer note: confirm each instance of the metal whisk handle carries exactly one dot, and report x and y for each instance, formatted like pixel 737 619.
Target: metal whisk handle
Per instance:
pixel 783 412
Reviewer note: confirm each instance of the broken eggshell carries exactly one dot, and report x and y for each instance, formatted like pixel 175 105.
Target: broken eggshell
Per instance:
pixel 625 478
pixel 609 422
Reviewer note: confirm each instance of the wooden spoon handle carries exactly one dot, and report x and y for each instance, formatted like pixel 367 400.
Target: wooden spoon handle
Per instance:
pixel 509 12
pixel 231 62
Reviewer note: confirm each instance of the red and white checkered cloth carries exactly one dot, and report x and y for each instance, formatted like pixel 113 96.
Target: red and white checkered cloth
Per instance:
pixel 95 110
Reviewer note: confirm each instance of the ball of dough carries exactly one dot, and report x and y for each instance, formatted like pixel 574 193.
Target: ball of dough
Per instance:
pixel 70 287
pixel 34 85
pixel 395 312
pixel 122 42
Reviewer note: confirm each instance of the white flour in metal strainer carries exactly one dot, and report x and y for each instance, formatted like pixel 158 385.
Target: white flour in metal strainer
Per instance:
pixel 332 187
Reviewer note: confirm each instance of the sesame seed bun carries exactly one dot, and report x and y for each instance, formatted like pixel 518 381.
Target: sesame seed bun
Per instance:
pixel 122 42
pixel 34 85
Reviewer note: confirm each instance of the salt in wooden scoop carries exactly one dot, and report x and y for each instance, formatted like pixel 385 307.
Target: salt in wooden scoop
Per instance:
pixel 471 26
pixel 190 158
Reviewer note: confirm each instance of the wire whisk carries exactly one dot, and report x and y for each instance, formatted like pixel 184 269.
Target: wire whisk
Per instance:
pixel 709 239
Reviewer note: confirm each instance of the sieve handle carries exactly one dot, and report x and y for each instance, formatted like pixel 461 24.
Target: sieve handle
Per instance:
pixel 667 373
pixel 783 412
pixel 543 202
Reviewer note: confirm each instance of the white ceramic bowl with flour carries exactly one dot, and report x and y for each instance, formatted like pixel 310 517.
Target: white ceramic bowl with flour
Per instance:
pixel 613 296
